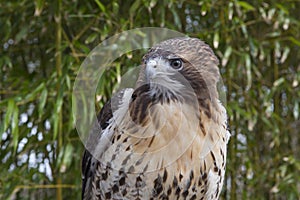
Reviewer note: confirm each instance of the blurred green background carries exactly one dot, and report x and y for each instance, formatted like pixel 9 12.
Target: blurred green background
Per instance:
pixel 43 43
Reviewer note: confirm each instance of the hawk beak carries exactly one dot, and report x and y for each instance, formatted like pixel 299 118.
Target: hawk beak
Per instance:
pixel 151 66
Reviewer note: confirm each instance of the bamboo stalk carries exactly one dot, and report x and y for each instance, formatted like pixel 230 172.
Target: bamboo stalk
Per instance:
pixel 58 63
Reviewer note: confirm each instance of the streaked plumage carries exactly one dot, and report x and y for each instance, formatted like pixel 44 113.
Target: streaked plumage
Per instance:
pixel 165 139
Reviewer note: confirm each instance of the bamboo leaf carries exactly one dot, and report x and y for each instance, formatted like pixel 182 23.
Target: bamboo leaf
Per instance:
pixel 32 95
pixel 226 56
pixel 216 40
pixel 246 6
pixel 43 99
pixel 295 41
pixel 101 6
pixel 296 111
pixel 55 120
pixel 59 99
pixel 68 82
pixel 8 116
pixel 22 34
pixel 67 158
pixel 15 128
pixel 39 5
pixel 91 38
pixel 204 9
pixel 248 71
pixel 134 7
pixel 176 18
pixel 278 82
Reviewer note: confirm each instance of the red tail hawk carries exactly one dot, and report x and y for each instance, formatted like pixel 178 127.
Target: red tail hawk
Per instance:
pixel 165 139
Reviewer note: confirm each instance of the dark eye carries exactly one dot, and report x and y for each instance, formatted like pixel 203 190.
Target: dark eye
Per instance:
pixel 176 63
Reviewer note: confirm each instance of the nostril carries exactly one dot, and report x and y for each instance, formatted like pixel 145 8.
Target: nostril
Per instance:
pixel 152 63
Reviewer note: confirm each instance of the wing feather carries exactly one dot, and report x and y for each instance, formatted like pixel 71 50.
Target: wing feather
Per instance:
pixel 89 163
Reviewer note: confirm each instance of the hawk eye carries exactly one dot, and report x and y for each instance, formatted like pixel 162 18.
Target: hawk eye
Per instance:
pixel 176 63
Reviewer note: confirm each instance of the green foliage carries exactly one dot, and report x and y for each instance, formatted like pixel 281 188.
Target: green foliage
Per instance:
pixel 43 44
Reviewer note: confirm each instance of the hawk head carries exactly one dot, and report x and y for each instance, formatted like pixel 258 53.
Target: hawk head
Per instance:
pixel 180 69
pixel 174 65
